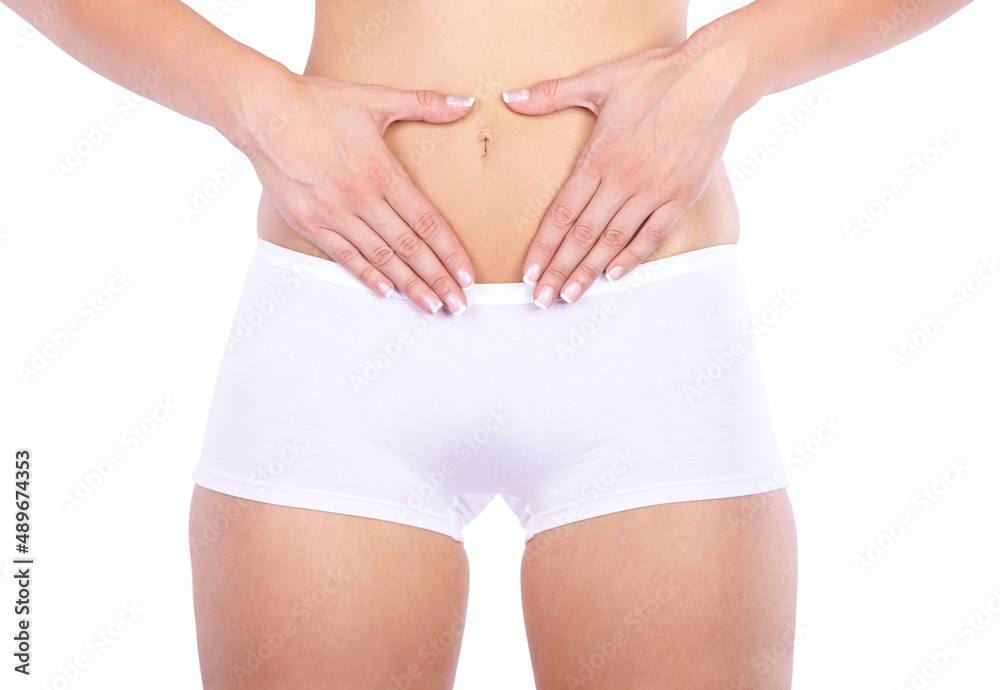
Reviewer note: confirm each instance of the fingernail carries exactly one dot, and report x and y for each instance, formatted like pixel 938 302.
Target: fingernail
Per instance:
pixel 385 288
pixel 545 298
pixel 531 275
pixel 459 101
pixel 464 279
pixel 615 273
pixel 431 303
pixel 455 305
pixel 515 96
pixel 571 292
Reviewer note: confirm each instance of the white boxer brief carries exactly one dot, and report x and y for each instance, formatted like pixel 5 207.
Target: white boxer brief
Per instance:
pixel 646 390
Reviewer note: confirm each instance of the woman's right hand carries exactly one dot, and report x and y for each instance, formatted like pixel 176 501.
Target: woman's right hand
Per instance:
pixel 317 147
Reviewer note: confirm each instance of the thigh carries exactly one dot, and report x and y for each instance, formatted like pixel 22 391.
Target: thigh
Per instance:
pixel 698 595
pixel 295 598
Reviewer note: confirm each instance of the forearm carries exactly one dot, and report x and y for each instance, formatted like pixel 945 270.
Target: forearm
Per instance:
pixel 162 49
pixel 779 44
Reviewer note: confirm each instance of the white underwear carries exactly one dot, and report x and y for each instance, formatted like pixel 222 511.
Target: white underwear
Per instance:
pixel 644 391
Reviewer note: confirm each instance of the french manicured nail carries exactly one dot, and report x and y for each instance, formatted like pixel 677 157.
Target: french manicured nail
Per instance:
pixel 464 279
pixel 615 273
pixel 431 303
pixel 545 298
pixel 515 96
pixel 459 101
pixel 455 305
pixel 384 288
pixel 571 292
pixel 531 275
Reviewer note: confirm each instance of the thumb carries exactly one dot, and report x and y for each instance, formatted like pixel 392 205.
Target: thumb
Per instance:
pixel 421 104
pixel 547 96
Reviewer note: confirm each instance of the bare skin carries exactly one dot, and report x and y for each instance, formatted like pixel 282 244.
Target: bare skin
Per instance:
pixel 319 144
pixel 293 598
pixel 493 173
pixel 695 595
pixel 698 595
pixel 382 175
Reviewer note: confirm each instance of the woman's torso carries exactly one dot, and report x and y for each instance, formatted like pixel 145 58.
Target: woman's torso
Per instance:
pixel 495 202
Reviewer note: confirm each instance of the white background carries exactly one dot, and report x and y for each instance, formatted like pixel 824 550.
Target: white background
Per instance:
pixel 825 358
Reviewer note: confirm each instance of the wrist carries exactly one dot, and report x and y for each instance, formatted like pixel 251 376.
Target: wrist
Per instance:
pixel 252 110
pixel 726 46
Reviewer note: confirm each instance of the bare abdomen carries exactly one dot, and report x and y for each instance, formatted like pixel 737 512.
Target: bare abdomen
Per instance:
pixel 493 173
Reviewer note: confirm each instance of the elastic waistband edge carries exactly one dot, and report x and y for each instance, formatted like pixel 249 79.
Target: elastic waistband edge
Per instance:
pixel 507 293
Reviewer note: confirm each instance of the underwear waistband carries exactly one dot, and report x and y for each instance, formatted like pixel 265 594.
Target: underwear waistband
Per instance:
pixel 507 293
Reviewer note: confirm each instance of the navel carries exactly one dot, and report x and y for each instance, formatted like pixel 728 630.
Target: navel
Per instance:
pixel 486 140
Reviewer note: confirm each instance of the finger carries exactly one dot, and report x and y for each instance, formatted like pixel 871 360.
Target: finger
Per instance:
pixel 557 221
pixel 649 237
pixel 579 241
pixel 586 89
pixel 411 264
pixel 348 256
pixel 430 226
pixel 388 105
pixel 620 230
pixel 599 154
pixel 341 250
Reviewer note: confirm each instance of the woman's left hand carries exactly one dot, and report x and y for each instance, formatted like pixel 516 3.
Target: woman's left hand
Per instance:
pixel 663 120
